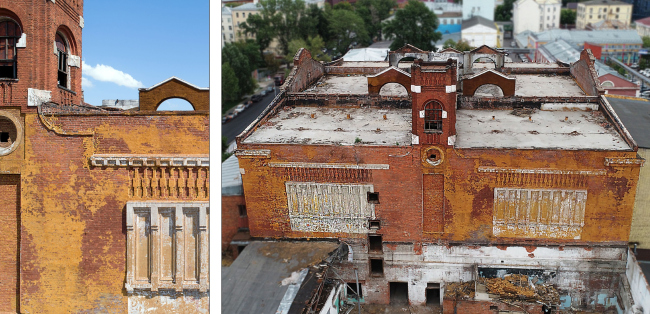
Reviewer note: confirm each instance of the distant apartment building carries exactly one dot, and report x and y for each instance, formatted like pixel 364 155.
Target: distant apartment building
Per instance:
pixel 536 15
pixel 643 26
pixel 239 16
pixel 591 12
pixel 484 8
pixel 479 31
pixel 227 31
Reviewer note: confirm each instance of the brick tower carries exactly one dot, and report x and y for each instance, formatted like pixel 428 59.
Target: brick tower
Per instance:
pixel 40 61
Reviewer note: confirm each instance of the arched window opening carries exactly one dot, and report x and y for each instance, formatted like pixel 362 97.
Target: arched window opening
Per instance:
pixel 607 84
pixel 175 104
pixel 484 63
pixel 62 51
pixel 9 35
pixel 393 89
pixel 488 90
pixel 433 117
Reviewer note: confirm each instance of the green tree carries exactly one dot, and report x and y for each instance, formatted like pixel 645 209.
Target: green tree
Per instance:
pixel 568 17
pixel 252 51
pixel 313 23
pixel 415 24
pixel 346 27
pixel 259 26
pixel 646 41
pixel 503 12
pixel 461 45
pixel 373 12
pixel 229 83
pixel 231 54
pixel 315 46
pixel 272 63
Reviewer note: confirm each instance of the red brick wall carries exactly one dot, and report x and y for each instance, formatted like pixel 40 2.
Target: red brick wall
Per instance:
pixel 230 219
pixel 9 255
pixel 37 63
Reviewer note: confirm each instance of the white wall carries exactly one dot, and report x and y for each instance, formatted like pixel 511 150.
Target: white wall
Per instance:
pixel 480 35
pixel 550 16
pixel 525 16
pixel 484 8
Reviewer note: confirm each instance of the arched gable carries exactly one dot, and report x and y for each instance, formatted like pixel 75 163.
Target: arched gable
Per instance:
pixel 151 98
pixel 390 75
pixel 507 84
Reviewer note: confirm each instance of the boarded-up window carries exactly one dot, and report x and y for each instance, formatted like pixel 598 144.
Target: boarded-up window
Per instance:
pixel 167 246
pixel 328 207
pixel 539 213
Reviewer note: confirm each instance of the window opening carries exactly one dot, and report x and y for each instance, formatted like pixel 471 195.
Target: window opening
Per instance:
pixel 240 248
pixel 352 290
pixel 377 267
pixel 8 132
pixel 373 197
pixel 62 50
pixel 433 117
pixel 4 137
pixel 433 293
pixel 375 224
pixel 242 211
pixel 9 36
pixel 374 243
pixel 399 293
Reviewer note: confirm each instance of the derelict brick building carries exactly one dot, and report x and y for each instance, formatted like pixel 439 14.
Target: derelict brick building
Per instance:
pixel 450 170
pixel 101 210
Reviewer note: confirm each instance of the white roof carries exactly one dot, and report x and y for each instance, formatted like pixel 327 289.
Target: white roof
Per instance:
pixel 366 54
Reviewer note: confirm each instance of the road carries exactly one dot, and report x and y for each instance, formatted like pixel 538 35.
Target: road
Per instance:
pixel 237 125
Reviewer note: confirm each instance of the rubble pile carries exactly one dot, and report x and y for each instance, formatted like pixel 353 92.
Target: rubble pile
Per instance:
pixel 522 288
pixel 460 290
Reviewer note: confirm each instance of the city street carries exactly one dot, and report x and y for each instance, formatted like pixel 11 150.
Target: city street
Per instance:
pixel 237 125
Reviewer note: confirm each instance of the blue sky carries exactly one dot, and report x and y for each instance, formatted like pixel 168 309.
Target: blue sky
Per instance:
pixel 132 44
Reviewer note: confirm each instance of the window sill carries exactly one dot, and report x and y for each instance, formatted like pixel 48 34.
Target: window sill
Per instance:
pixel 67 90
pixel 8 80
pixel 433 131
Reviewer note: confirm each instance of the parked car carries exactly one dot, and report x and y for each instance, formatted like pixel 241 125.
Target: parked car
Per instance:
pixel 231 115
pixel 247 103
pixel 263 93
pixel 270 89
pixel 256 98
pixel 239 108
pixel 225 119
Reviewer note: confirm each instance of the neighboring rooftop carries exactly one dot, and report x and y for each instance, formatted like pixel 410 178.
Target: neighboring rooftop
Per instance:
pixel 635 115
pixel 552 129
pixel 247 7
pixel 254 281
pixel 478 20
pixel 231 183
pixel 560 50
pixel 579 37
pixel 644 21
pixel 366 54
pixel 331 126
pixel 601 2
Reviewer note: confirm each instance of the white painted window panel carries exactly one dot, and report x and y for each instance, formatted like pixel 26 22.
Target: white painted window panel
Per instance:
pixel 539 213
pixel 329 207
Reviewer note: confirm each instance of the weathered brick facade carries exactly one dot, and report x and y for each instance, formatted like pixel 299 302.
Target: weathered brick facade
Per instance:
pixel 68 170
pixel 444 208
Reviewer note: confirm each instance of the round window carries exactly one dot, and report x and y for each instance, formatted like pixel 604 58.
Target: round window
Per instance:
pixel 11 133
pixel 434 156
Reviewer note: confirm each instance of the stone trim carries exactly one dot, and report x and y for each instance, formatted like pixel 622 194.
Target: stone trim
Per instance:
pixel 624 162
pixel 541 171
pixel 253 153
pixel 328 166
pixel 127 160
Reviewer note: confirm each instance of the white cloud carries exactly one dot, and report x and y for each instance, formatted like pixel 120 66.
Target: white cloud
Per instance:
pixel 107 73
pixel 86 82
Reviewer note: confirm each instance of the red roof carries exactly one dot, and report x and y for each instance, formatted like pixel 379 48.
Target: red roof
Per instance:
pixel 644 21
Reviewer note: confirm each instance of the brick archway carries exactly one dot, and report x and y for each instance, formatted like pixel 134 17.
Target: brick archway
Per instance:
pixel 390 75
pixel 471 84
pixel 151 98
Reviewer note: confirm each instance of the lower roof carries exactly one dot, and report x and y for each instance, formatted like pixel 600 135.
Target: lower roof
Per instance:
pixel 537 129
pixel 295 125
